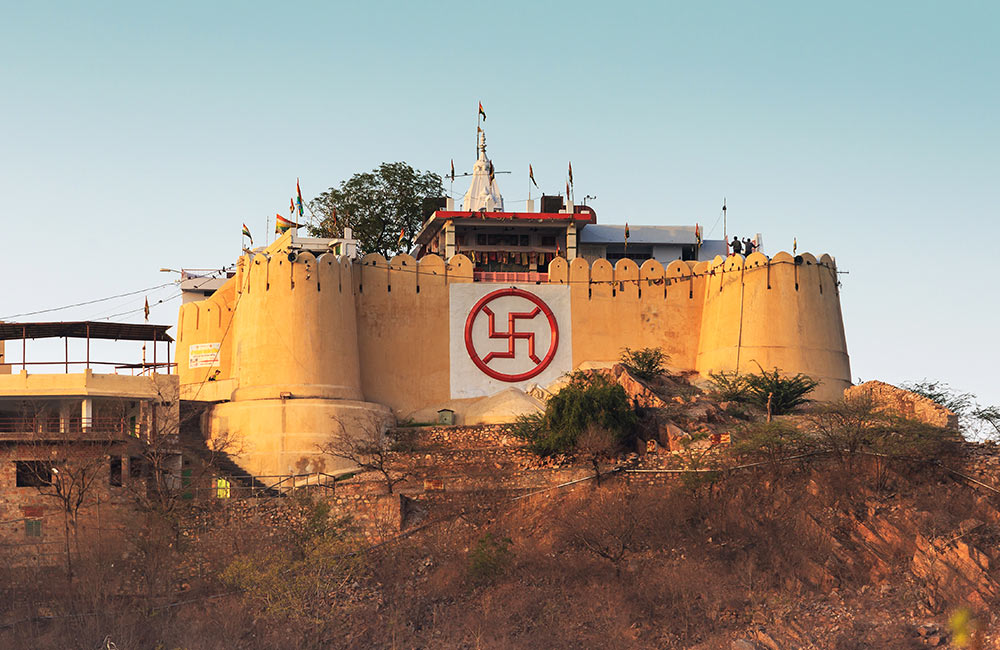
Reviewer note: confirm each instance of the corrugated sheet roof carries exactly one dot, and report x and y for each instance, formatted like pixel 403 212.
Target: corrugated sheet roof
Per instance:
pixel 80 329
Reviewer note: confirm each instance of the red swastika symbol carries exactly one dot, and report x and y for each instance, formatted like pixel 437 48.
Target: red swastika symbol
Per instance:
pixel 512 335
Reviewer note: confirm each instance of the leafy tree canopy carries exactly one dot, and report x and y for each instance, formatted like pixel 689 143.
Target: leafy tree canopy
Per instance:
pixel 377 205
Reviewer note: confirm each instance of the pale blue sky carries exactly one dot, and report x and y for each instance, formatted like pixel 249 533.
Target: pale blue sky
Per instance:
pixel 141 135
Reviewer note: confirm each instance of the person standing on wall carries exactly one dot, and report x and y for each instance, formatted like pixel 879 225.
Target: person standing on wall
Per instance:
pixel 736 245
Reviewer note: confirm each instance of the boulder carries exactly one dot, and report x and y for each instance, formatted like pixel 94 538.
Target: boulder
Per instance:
pixel 904 403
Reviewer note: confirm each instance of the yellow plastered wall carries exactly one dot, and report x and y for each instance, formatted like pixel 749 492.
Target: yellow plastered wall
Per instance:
pixel 403 321
pixel 631 306
pixel 777 314
pixel 206 321
pixel 295 330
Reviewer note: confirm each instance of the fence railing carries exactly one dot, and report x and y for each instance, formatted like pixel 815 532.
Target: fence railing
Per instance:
pixel 54 427
pixel 503 276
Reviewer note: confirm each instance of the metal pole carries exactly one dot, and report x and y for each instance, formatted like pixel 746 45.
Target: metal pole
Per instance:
pixel 24 348
pixel 66 340
pixel 88 346
pixel 154 351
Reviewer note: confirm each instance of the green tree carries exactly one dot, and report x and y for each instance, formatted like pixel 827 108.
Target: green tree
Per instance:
pixel 377 205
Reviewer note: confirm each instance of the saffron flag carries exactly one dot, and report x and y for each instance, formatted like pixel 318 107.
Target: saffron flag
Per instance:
pixel 401 235
pixel 145 310
pixel 795 245
pixel 531 175
pixel 452 170
pixel 298 194
pixel 626 232
pixel 291 207
pixel 481 111
pixel 571 173
pixel 246 233
pixel 282 224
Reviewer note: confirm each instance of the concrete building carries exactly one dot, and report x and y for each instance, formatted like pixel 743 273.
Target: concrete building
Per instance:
pixel 64 424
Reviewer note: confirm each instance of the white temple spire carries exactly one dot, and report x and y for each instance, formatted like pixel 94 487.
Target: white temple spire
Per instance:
pixel 483 192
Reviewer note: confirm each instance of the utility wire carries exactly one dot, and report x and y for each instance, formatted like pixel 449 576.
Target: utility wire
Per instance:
pixel 87 302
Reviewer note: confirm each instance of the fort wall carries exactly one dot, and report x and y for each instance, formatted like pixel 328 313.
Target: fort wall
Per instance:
pixel 775 314
pixel 324 338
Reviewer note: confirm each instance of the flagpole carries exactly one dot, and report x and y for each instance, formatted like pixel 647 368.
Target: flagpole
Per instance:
pixel 725 234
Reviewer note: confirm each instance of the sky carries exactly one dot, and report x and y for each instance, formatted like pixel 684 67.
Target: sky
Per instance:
pixel 135 136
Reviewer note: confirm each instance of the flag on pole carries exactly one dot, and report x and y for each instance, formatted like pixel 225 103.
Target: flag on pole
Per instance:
pixel 452 170
pixel 291 207
pixel 145 310
pixel 402 233
pixel 795 245
pixel 571 173
pixel 481 111
pixel 626 235
pixel 298 193
pixel 697 234
pixel 282 224
pixel 567 190
pixel 246 233
pixel 531 175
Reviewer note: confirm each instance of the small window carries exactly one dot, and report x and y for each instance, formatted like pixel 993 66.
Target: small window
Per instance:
pixel 32 473
pixel 32 527
pixel 115 472
pixel 548 240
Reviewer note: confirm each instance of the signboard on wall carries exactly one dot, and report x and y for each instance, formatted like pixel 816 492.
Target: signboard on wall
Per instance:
pixel 504 336
pixel 203 355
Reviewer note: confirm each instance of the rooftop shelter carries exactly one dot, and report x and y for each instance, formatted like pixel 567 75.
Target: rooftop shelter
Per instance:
pixel 89 331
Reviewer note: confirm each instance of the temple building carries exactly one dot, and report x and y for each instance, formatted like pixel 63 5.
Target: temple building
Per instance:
pixel 518 246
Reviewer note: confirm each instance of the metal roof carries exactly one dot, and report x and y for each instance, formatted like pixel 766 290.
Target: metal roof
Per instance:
pixel 608 234
pixel 85 329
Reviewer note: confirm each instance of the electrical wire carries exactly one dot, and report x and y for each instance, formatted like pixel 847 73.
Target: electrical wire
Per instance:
pixel 87 302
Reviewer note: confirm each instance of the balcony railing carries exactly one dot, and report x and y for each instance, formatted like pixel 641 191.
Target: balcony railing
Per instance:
pixel 54 428
pixel 504 276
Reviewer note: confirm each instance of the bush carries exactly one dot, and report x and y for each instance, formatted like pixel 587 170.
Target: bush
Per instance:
pixel 768 442
pixel 785 392
pixel 489 558
pixel 729 386
pixel 587 399
pixel 855 427
pixel 646 363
